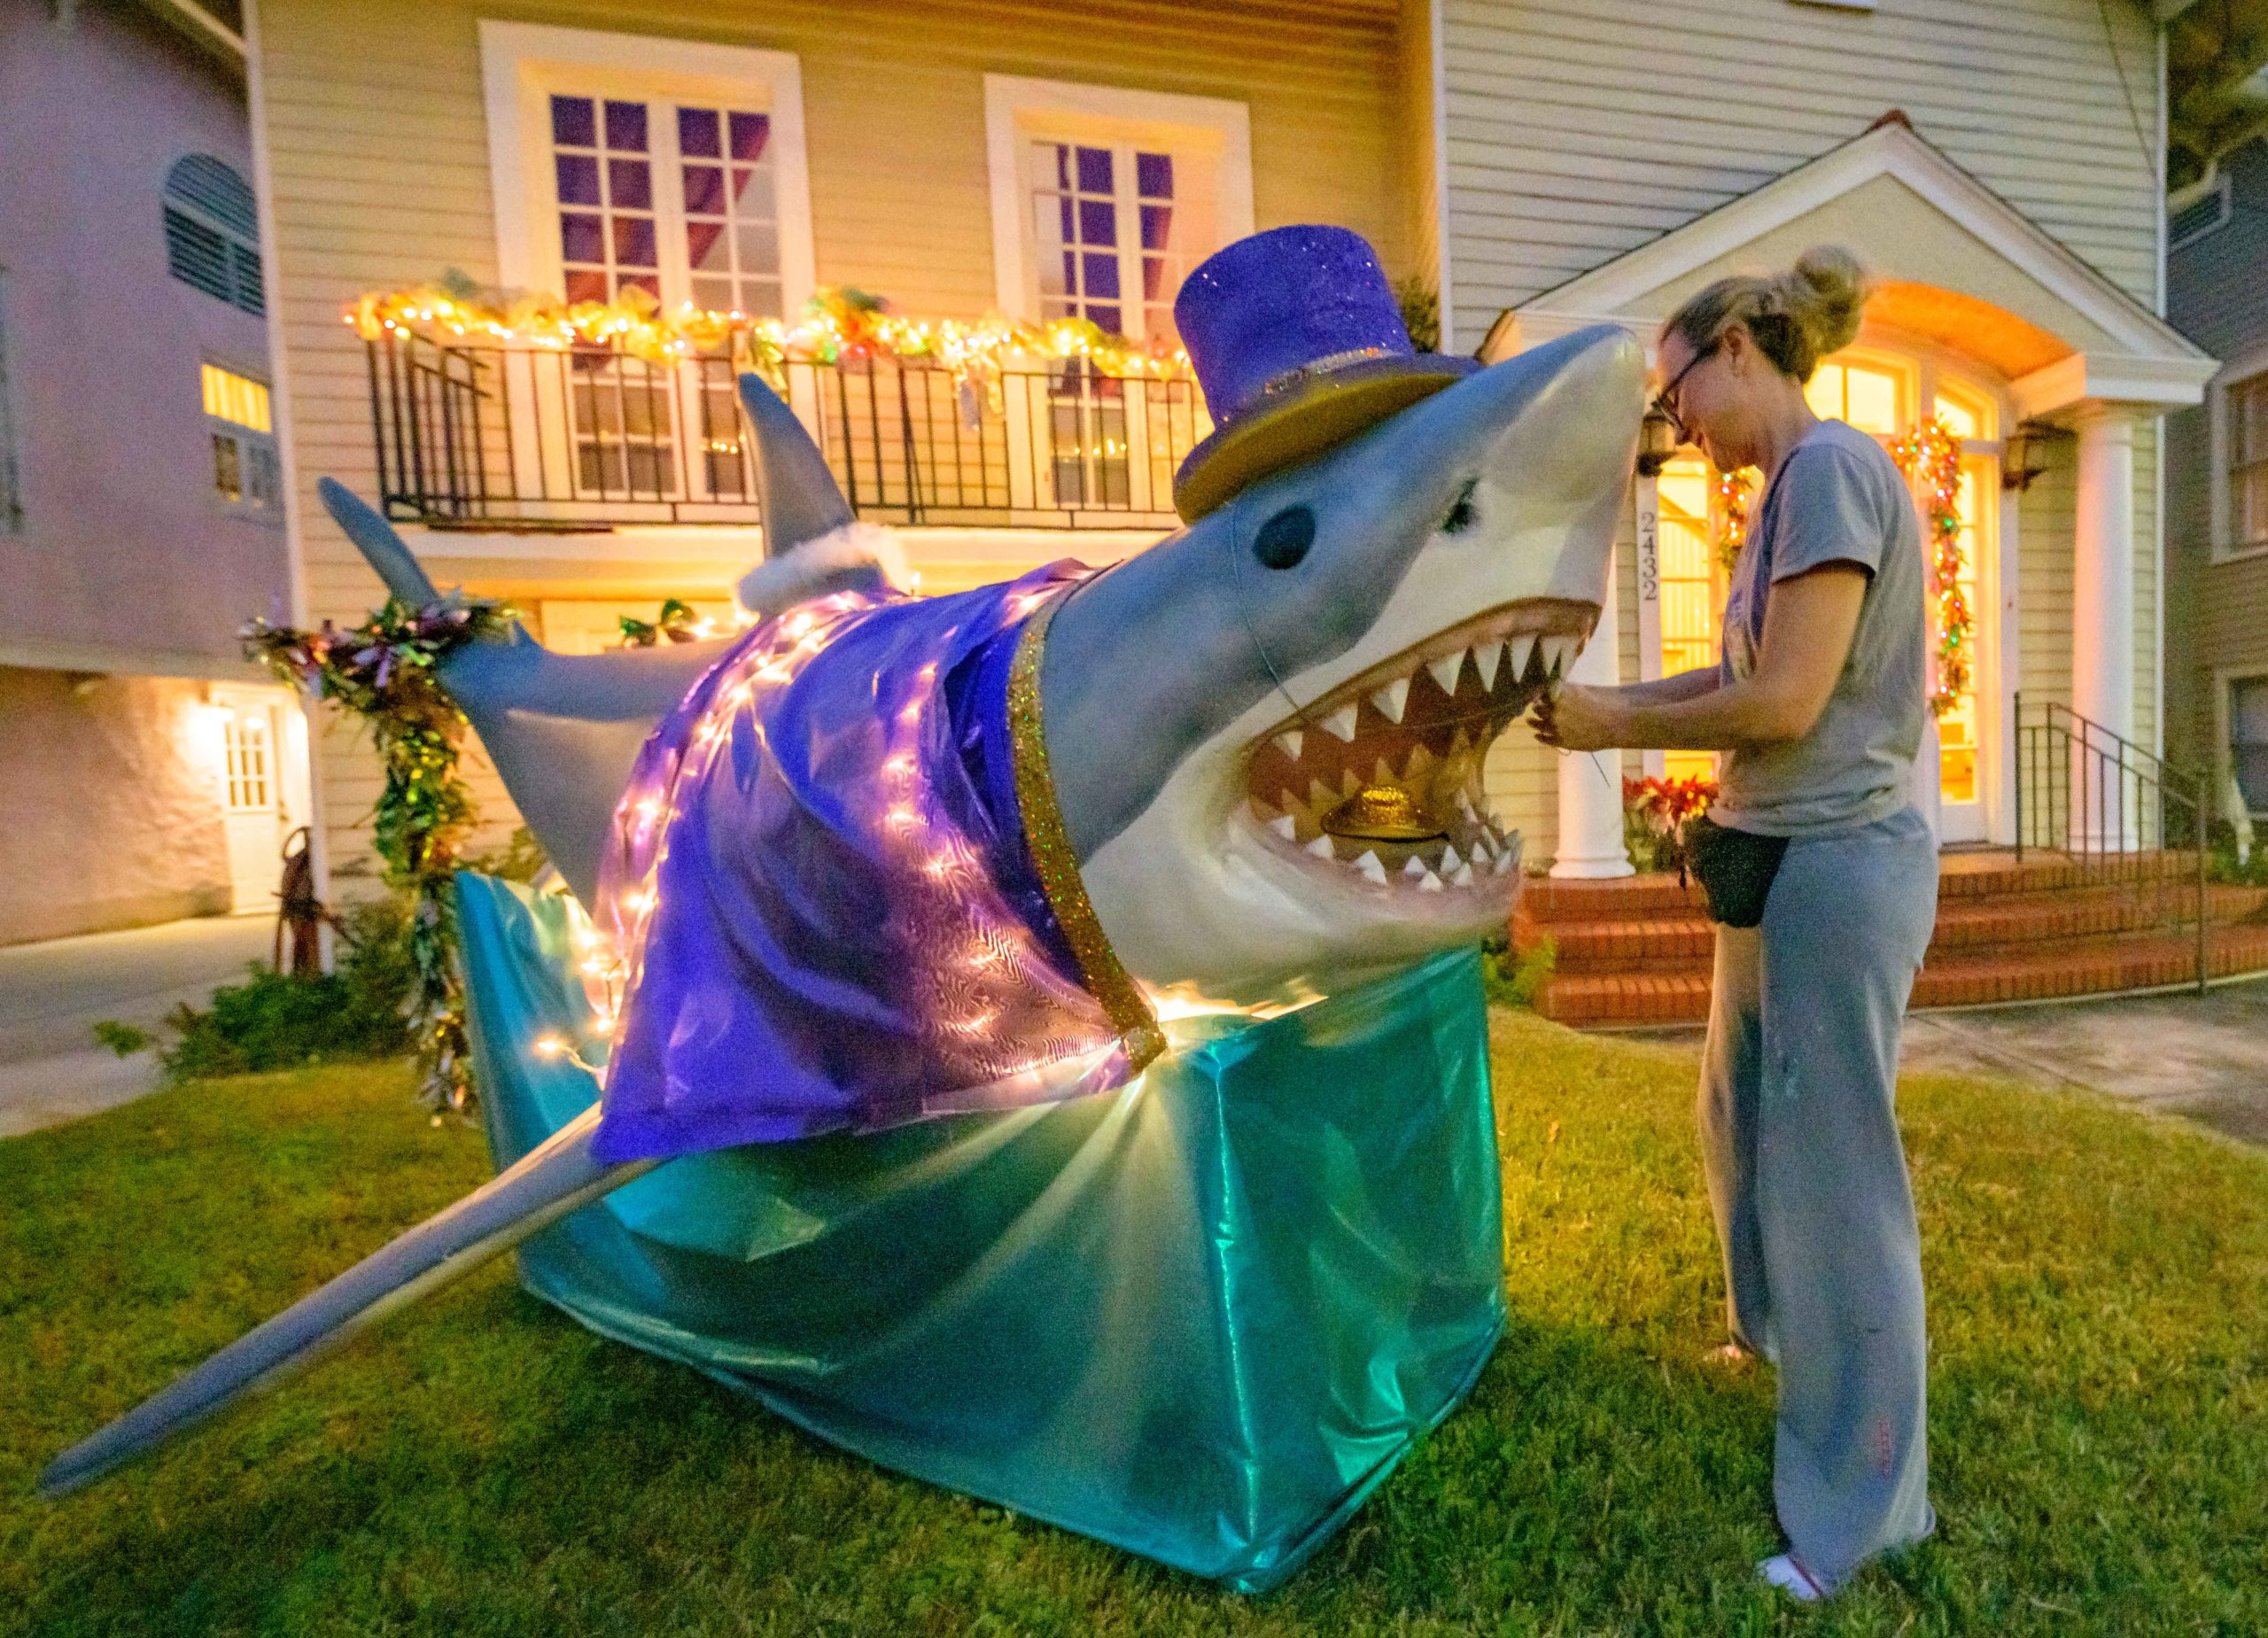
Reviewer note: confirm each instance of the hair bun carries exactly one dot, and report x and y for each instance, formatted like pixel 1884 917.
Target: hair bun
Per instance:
pixel 1823 296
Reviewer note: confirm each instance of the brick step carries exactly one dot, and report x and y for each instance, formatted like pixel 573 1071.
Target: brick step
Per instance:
pixel 1685 942
pixel 2072 968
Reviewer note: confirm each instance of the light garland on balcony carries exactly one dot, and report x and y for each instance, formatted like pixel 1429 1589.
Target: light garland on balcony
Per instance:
pixel 1933 453
pixel 838 325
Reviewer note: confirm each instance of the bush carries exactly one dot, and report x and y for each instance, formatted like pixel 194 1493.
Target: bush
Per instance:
pixel 1652 811
pixel 1513 977
pixel 274 1021
pixel 123 1039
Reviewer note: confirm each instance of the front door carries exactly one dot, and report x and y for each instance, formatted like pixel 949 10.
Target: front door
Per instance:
pixel 1703 517
pixel 253 798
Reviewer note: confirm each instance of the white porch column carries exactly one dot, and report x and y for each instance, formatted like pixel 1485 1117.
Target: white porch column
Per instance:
pixel 1591 782
pixel 2102 617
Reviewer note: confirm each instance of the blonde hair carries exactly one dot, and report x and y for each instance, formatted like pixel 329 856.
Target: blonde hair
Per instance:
pixel 1797 317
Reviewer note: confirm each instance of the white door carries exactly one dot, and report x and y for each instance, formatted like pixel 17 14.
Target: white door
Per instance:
pixel 253 798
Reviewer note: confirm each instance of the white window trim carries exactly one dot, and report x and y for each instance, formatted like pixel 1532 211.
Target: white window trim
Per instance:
pixel 1016 108
pixel 2243 367
pixel 2223 761
pixel 522 63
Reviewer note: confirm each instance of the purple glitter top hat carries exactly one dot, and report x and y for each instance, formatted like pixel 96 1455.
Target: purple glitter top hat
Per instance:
pixel 1299 344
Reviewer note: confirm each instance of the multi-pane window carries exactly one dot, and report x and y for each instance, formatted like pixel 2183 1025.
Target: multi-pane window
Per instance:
pixel 245 740
pixel 1116 230
pixel 732 216
pixel 1691 587
pixel 241 423
pixel 2247 416
pixel 1866 398
pixel 213 232
pixel 677 199
pixel 680 200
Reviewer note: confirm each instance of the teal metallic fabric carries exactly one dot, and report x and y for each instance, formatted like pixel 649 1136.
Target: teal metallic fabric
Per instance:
pixel 1200 1317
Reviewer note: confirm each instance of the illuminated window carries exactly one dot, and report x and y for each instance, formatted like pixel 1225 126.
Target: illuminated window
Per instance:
pixel 245 740
pixel 1692 589
pixel 242 425
pixel 1868 397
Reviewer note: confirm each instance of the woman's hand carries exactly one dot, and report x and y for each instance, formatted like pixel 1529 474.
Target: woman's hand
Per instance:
pixel 1578 717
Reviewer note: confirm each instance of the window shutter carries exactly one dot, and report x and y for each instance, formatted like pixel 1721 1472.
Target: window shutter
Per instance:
pixel 213 232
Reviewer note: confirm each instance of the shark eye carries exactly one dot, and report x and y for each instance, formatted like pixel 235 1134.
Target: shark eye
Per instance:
pixel 1284 540
pixel 1461 513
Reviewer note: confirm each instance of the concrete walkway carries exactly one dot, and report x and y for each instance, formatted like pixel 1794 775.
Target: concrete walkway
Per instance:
pixel 54 993
pixel 2205 1057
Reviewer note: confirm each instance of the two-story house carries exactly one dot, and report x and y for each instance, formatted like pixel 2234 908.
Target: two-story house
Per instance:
pixel 149 772
pixel 1534 166
pixel 2217 498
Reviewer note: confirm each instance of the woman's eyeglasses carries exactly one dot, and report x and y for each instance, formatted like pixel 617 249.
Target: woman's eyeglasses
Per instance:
pixel 1665 401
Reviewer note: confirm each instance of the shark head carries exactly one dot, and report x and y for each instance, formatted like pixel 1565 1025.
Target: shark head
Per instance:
pixel 1267 732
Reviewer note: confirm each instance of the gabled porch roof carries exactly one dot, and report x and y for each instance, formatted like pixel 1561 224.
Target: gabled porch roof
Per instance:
pixel 1957 265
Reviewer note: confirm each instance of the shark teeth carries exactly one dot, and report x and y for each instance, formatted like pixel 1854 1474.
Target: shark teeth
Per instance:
pixel 1447 669
pixel 1289 743
pixel 1321 847
pixel 1559 654
pixel 1392 698
pixel 1369 866
pixel 1484 659
pixel 1341 722
pixel 1285 828
pixel 1517 652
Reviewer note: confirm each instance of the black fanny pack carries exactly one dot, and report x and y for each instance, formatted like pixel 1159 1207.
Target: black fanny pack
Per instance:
pixel 1735 867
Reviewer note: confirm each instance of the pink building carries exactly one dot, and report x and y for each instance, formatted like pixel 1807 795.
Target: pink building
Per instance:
pixel 149 772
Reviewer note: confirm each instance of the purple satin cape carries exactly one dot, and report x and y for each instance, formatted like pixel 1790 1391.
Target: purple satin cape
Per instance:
pixel 818 911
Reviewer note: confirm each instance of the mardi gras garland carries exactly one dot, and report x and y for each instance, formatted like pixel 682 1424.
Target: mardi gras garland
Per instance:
pixel 1732 508
pixel 383 671
pixel 1933 453
pixel 838 324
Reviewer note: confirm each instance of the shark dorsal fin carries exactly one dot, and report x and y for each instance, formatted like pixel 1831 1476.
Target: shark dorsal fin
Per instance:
pixel 798 494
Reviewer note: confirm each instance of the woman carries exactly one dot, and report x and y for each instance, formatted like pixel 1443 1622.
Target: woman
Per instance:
pixel 1817 706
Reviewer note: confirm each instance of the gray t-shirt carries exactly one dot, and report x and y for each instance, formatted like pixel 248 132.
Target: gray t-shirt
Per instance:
pixel 1838 497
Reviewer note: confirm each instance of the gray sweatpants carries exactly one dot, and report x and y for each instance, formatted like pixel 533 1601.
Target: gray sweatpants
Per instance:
pixel 1807 1177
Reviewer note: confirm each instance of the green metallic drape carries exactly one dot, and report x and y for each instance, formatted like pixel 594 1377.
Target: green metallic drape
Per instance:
pixel 1199 1318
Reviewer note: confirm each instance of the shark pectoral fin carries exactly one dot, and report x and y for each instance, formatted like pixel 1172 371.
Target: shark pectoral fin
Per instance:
pixel 548 1182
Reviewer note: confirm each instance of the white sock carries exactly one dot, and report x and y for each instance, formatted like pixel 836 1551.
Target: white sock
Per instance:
pixel 1790 1578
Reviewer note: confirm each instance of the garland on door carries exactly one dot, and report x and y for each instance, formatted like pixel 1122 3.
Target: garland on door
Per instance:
pixel 1732 512
pixel 1931 453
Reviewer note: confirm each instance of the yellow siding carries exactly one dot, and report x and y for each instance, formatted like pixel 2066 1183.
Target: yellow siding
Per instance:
pixel 378 150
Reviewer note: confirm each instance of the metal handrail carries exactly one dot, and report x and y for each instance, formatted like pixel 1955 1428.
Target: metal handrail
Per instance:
pixel 2101 800
pixel 474 435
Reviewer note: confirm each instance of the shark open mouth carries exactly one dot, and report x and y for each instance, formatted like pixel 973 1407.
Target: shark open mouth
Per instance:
pixel 1382 776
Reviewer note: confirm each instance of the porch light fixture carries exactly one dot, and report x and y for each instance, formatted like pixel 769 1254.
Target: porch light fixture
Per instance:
pixel 1658 441
pixel 2024 456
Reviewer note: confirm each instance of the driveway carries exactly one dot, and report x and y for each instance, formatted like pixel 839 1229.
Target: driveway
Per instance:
pixel 54 993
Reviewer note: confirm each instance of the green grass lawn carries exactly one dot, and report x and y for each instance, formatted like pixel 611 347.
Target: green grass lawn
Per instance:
pixel 2099 1293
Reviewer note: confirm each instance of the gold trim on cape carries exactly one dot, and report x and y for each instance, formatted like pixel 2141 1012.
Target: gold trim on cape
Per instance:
pixel 1057 866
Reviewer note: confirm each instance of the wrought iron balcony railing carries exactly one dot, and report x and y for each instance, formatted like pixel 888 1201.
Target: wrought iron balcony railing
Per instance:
pixel 493 437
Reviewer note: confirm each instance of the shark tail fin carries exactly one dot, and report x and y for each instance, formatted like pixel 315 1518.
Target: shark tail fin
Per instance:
pixel 550 1181
pixel 386 551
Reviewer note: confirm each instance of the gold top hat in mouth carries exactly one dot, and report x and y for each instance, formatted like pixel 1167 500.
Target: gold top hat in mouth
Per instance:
pixel 1382 813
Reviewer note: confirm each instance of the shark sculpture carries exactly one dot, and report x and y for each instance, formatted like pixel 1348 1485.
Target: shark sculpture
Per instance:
pixel 1266 735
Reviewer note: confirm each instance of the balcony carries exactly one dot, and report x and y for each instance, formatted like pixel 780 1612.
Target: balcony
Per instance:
pixel 486 437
